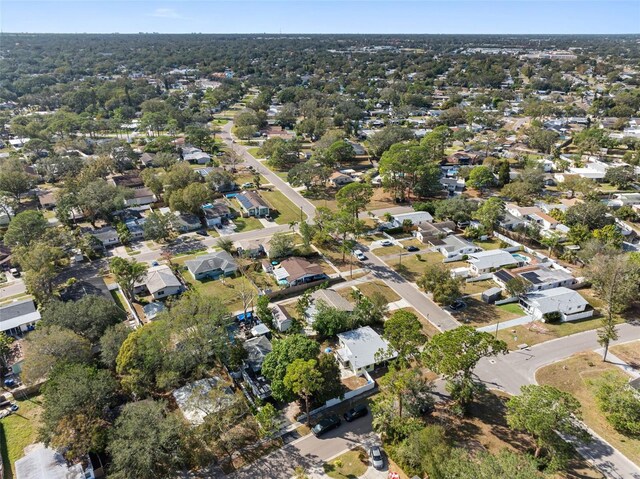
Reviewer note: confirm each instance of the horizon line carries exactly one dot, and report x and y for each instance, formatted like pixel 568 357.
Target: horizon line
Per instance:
pixel 326 34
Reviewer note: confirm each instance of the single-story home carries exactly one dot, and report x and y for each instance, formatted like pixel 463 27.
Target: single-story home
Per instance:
pixel 195 155
pixel 539 276
pixel 160 282
pixel 107 236
pixel 212 266
pixel 186 222
pixel 257 349
pixel 330 298
pixel 281 319
pixel 569 304
pixel 42 462
pixel 363 349
pixel 253 248
pixel 416 218
pixel 338 179
pixel 215 213
pixel 453 247
pixel 295 271
pixel 18 317
pixel 146 159
pixel 492 260
pixel 141 196
pixel 427 232
pixel 253 204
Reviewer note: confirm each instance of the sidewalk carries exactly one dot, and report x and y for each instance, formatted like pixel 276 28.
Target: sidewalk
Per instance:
pixel 506 324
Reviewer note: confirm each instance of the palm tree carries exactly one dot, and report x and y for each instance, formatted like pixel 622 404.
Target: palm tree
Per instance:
pixel 226 244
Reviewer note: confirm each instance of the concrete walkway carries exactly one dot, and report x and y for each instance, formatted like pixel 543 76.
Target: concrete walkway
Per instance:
pixel 616 361
pixel 506 324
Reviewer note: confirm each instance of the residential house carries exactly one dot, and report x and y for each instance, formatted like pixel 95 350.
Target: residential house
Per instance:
pixel 186 222
pixel 18 317
pixel 462 158
pixel 146 159
pixel 429 232
pixel 195 155
pixel 539 276
pixel 295 271
pixel 492 260
pixel 417 218
pixel 363 349
pixel 624 199
pixel 253 204
pixel 338 179
pixel 107 236
pixel 257 349
pixel 328 297
pixel 253 248
pixel 281 319
pixel 42 462
pixel 47 199
pixel 455 247
pixel 358 149
pixel 141 196
pixel 569 304
pixel 159 282
pixel 196 402
pixel 136 228
pixel 130 179
pixel 6 214
pixel 215 213
pixel 212 266
pixel 453 186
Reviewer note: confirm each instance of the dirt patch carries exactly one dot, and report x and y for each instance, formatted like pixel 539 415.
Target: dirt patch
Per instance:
pixel 354 382
pixel 629 353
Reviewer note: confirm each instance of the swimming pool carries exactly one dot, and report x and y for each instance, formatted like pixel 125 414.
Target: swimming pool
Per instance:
pixel 521 258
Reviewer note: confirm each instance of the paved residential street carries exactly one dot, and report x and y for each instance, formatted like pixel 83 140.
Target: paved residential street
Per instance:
pixel 15 287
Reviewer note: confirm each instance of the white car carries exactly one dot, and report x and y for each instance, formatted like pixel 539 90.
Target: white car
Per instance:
pixel 385 243
pixel 359 254
pixel 377 461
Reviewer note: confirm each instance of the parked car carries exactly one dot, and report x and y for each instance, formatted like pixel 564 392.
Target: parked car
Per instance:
pixel 202 233
pixel 412 248
pixel 457 305
pixel 359 254
pixel 246 185
pixel 268 218
pixel 326 425
pixel 375 453
pixel 14 407
pixel 356 412
pixel 385 243
pixel 14 272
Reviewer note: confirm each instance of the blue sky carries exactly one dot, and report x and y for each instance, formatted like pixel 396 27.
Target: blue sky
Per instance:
pixel 321 16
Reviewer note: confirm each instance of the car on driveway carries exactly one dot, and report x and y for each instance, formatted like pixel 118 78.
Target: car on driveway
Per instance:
pixel 457 305
pixel 375 453
pixel 247 185
pixel 385 243
pixel 326 425
pixel 356 412
pixel 412 248
pixel 359 254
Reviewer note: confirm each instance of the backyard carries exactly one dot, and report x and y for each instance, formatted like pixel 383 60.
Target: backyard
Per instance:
pixel 18 431
pixel 228 290
pixel 574 375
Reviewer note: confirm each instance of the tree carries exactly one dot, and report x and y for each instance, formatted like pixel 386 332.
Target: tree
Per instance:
pixel 157 227
pixel 14 180
pixel 287 116
pixel 147 442
pixel 620 403
pixel 24 228
pixel 541 139
pixel 45 348
pixel 428 181
pixel 490 213
pixel 458 209
pixel 332 386
pixel 425 452
pixel 504 173
pixel 111 342
pixel 592 214
pixel 573 184
pixel 284 352
pixel 517 286
pixel 77 417
pixel 480 178
pixel 620 176
pixel 438 281
pixel 190 199
pixel 99 199
pixel 330 321
pixel 544 412
pixel 382 140
pixel 89 317
pixel 281 245
pixel 304 380
pixel 455 353
pixel 521 192
pixel 264 312
pixel 123 233
pixel 404 333
pixel 225 244
pixel 484 465
pixel 354 197
pixel 5 351
pixel 128 273
pixel 269 420
pixel 615 278
pixel 340 152
pixel 609 236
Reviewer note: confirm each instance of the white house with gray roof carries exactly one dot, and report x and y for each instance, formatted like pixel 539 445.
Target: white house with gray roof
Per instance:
pixel 160 282
pixel 212 266
pixel 363 349
pixel 455 247
pixel 568 303
pixel 18 317
pixel 492 260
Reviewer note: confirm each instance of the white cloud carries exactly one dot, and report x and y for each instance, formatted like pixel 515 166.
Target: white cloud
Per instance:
pixel 166 13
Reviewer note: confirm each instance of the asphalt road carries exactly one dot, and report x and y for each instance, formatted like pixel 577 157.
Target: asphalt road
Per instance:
pixel 310 451
pixel 15 287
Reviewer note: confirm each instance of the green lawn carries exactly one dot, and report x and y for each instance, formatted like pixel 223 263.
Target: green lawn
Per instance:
pixel 247 224
pixel 286 210
pixel 228 290
pixel 253 151
pixel 18 431
pixel 369 288
pixel 350 465
pixel 117 297
pixel 489 244
pixel 512 308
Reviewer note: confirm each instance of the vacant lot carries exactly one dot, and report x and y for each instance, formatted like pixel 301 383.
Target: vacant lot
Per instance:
pixel 427 328
pixel 287 212
pixel 19 430
pixel 371 287
pixel 574 375
pixel 478 313
pixel 228 290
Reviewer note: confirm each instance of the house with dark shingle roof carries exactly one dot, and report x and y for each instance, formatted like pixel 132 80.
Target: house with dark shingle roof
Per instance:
pixel 253 204
pixel 295 271
pixel 212 266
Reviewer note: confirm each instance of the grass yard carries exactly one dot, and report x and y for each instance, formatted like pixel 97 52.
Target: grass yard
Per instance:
pixel 413 266
pixel 488 244
pixel 540 332
pixel 573 375
pixel 253 151
pixel 477 287
pixel 628 352
pixel 247 224
pixel 335 256
pixel 512 308
pixel 228 290
pixel 349 465
pixel 18 431
pixel 478 313
pixel 287 212
pixel 369 288
pixel 119 299
pixel 389 251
